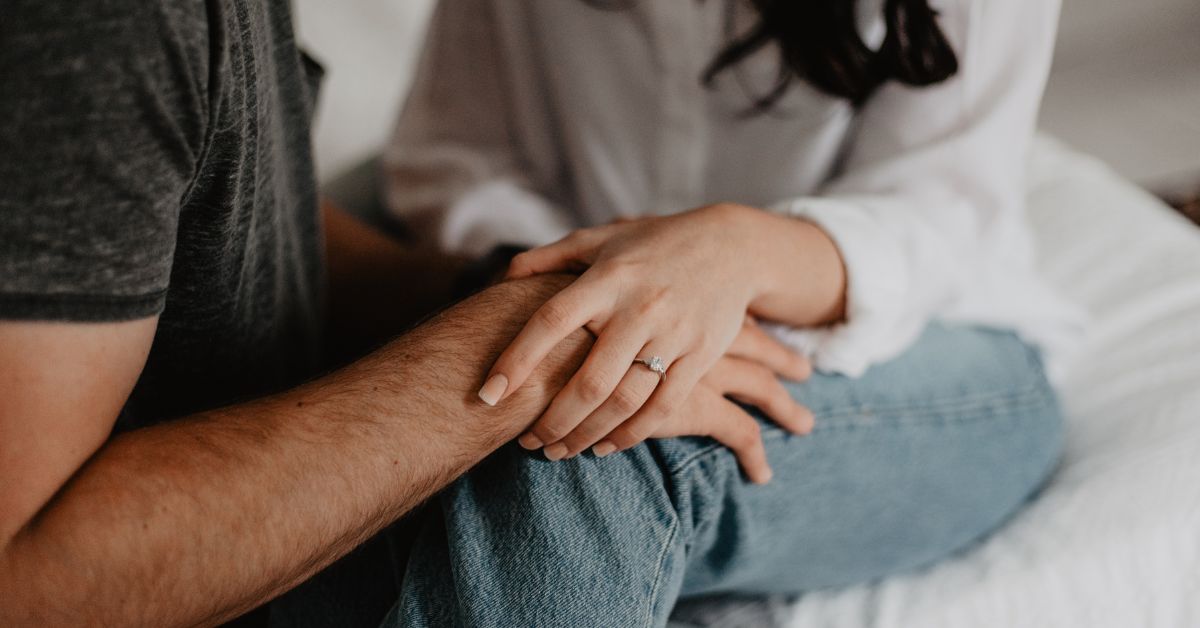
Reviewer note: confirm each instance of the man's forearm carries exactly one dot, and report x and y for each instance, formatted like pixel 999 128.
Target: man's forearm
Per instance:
pixel 198 520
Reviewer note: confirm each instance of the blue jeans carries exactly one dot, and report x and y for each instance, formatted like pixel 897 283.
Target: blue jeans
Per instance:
pixel 914 461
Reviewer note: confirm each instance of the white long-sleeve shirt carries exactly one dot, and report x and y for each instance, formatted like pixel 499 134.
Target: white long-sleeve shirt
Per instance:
pixel 531 118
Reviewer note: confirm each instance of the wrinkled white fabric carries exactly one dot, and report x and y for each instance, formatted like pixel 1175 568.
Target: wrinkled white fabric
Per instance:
pixel 1111 541
pixel 529 119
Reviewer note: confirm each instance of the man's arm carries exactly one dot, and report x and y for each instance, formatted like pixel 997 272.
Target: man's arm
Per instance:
pixel 198 520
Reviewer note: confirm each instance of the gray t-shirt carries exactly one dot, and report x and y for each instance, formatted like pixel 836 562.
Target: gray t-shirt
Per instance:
pixel 155 159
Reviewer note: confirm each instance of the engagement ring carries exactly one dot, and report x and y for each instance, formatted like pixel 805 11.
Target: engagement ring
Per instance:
pixel 655 364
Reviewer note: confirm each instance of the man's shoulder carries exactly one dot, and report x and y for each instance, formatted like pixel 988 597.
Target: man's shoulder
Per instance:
pixel 103 20
pixel 105 104
pixel 55 37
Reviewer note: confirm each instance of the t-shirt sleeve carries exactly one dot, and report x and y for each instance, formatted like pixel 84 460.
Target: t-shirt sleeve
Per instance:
pixel 102 117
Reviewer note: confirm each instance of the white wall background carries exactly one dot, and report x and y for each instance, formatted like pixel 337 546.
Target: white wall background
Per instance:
pixel 1126 87
pixel 368 48
pixel 1126 84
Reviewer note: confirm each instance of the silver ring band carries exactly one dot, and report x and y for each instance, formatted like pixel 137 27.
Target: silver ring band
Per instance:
pixel 655 364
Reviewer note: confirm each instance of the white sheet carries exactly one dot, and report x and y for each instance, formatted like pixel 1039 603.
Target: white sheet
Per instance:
pixel 1115 539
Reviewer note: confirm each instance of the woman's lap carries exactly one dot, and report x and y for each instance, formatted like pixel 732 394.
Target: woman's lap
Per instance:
pixel 916 459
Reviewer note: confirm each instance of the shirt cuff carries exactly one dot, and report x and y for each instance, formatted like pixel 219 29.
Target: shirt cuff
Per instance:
pixel 880 323
pixel 500 212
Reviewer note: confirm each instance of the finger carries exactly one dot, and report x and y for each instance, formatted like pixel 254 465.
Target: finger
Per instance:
pixel 597 378
pixel 670 395
pixel 625 405
pixel 633 391
pixel 738 431
pixel 752 343
pixel 570 309
pixel 566 254
pixel 756 385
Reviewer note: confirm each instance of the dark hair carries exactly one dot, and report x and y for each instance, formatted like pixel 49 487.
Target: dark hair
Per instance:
pixel 819 42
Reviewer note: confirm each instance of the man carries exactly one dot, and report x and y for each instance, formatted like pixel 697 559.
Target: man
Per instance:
pixel 161 298
pixel 161 257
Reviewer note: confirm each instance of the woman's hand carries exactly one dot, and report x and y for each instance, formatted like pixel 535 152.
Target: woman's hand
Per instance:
pixel 749 373
pixel 675 287
pixel 709 412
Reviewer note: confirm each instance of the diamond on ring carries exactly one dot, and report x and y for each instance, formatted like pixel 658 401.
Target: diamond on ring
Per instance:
pixel 655 364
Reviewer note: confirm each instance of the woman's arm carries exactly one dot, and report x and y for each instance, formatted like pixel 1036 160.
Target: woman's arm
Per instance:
pixel 930 201
pixel 932 192
pixel 469 161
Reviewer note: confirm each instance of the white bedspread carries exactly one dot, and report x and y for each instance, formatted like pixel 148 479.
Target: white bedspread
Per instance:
pixel 1115 538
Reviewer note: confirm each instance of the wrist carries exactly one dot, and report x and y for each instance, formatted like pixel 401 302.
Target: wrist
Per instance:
pixel 432 375
pixel 797 273
pixel 752 230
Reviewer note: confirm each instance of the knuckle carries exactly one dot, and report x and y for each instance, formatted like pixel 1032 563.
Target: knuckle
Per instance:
pixel 750 436
pixel 654 303
pixel 625 402
pixel 583 436
pixel 550 432
pixel 554 315
pixel 635 434
pixel 611 269
pixel 709 343
pixel 519 262
pixel 662 410
pixel 621 438
pixel 593 387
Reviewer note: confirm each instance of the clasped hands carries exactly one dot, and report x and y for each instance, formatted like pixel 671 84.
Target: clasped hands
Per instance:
pixel 678 287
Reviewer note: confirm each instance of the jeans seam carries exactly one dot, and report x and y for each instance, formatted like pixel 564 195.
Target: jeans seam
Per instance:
pixel 968 408
pixel 1018 401
pixel 658 573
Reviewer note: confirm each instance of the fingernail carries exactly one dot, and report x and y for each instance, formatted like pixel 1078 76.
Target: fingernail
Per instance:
pixel 531 442
pixel 603 449
pixel 557 451
pixel 493 389
pixel 766 478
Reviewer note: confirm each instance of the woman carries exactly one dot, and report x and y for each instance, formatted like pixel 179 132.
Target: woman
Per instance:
pixel 849 172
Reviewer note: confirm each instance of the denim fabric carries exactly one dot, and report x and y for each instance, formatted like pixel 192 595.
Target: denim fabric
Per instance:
pixel 916 460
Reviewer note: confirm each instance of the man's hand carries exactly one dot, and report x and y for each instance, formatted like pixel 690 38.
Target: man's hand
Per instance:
pixel 198 520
